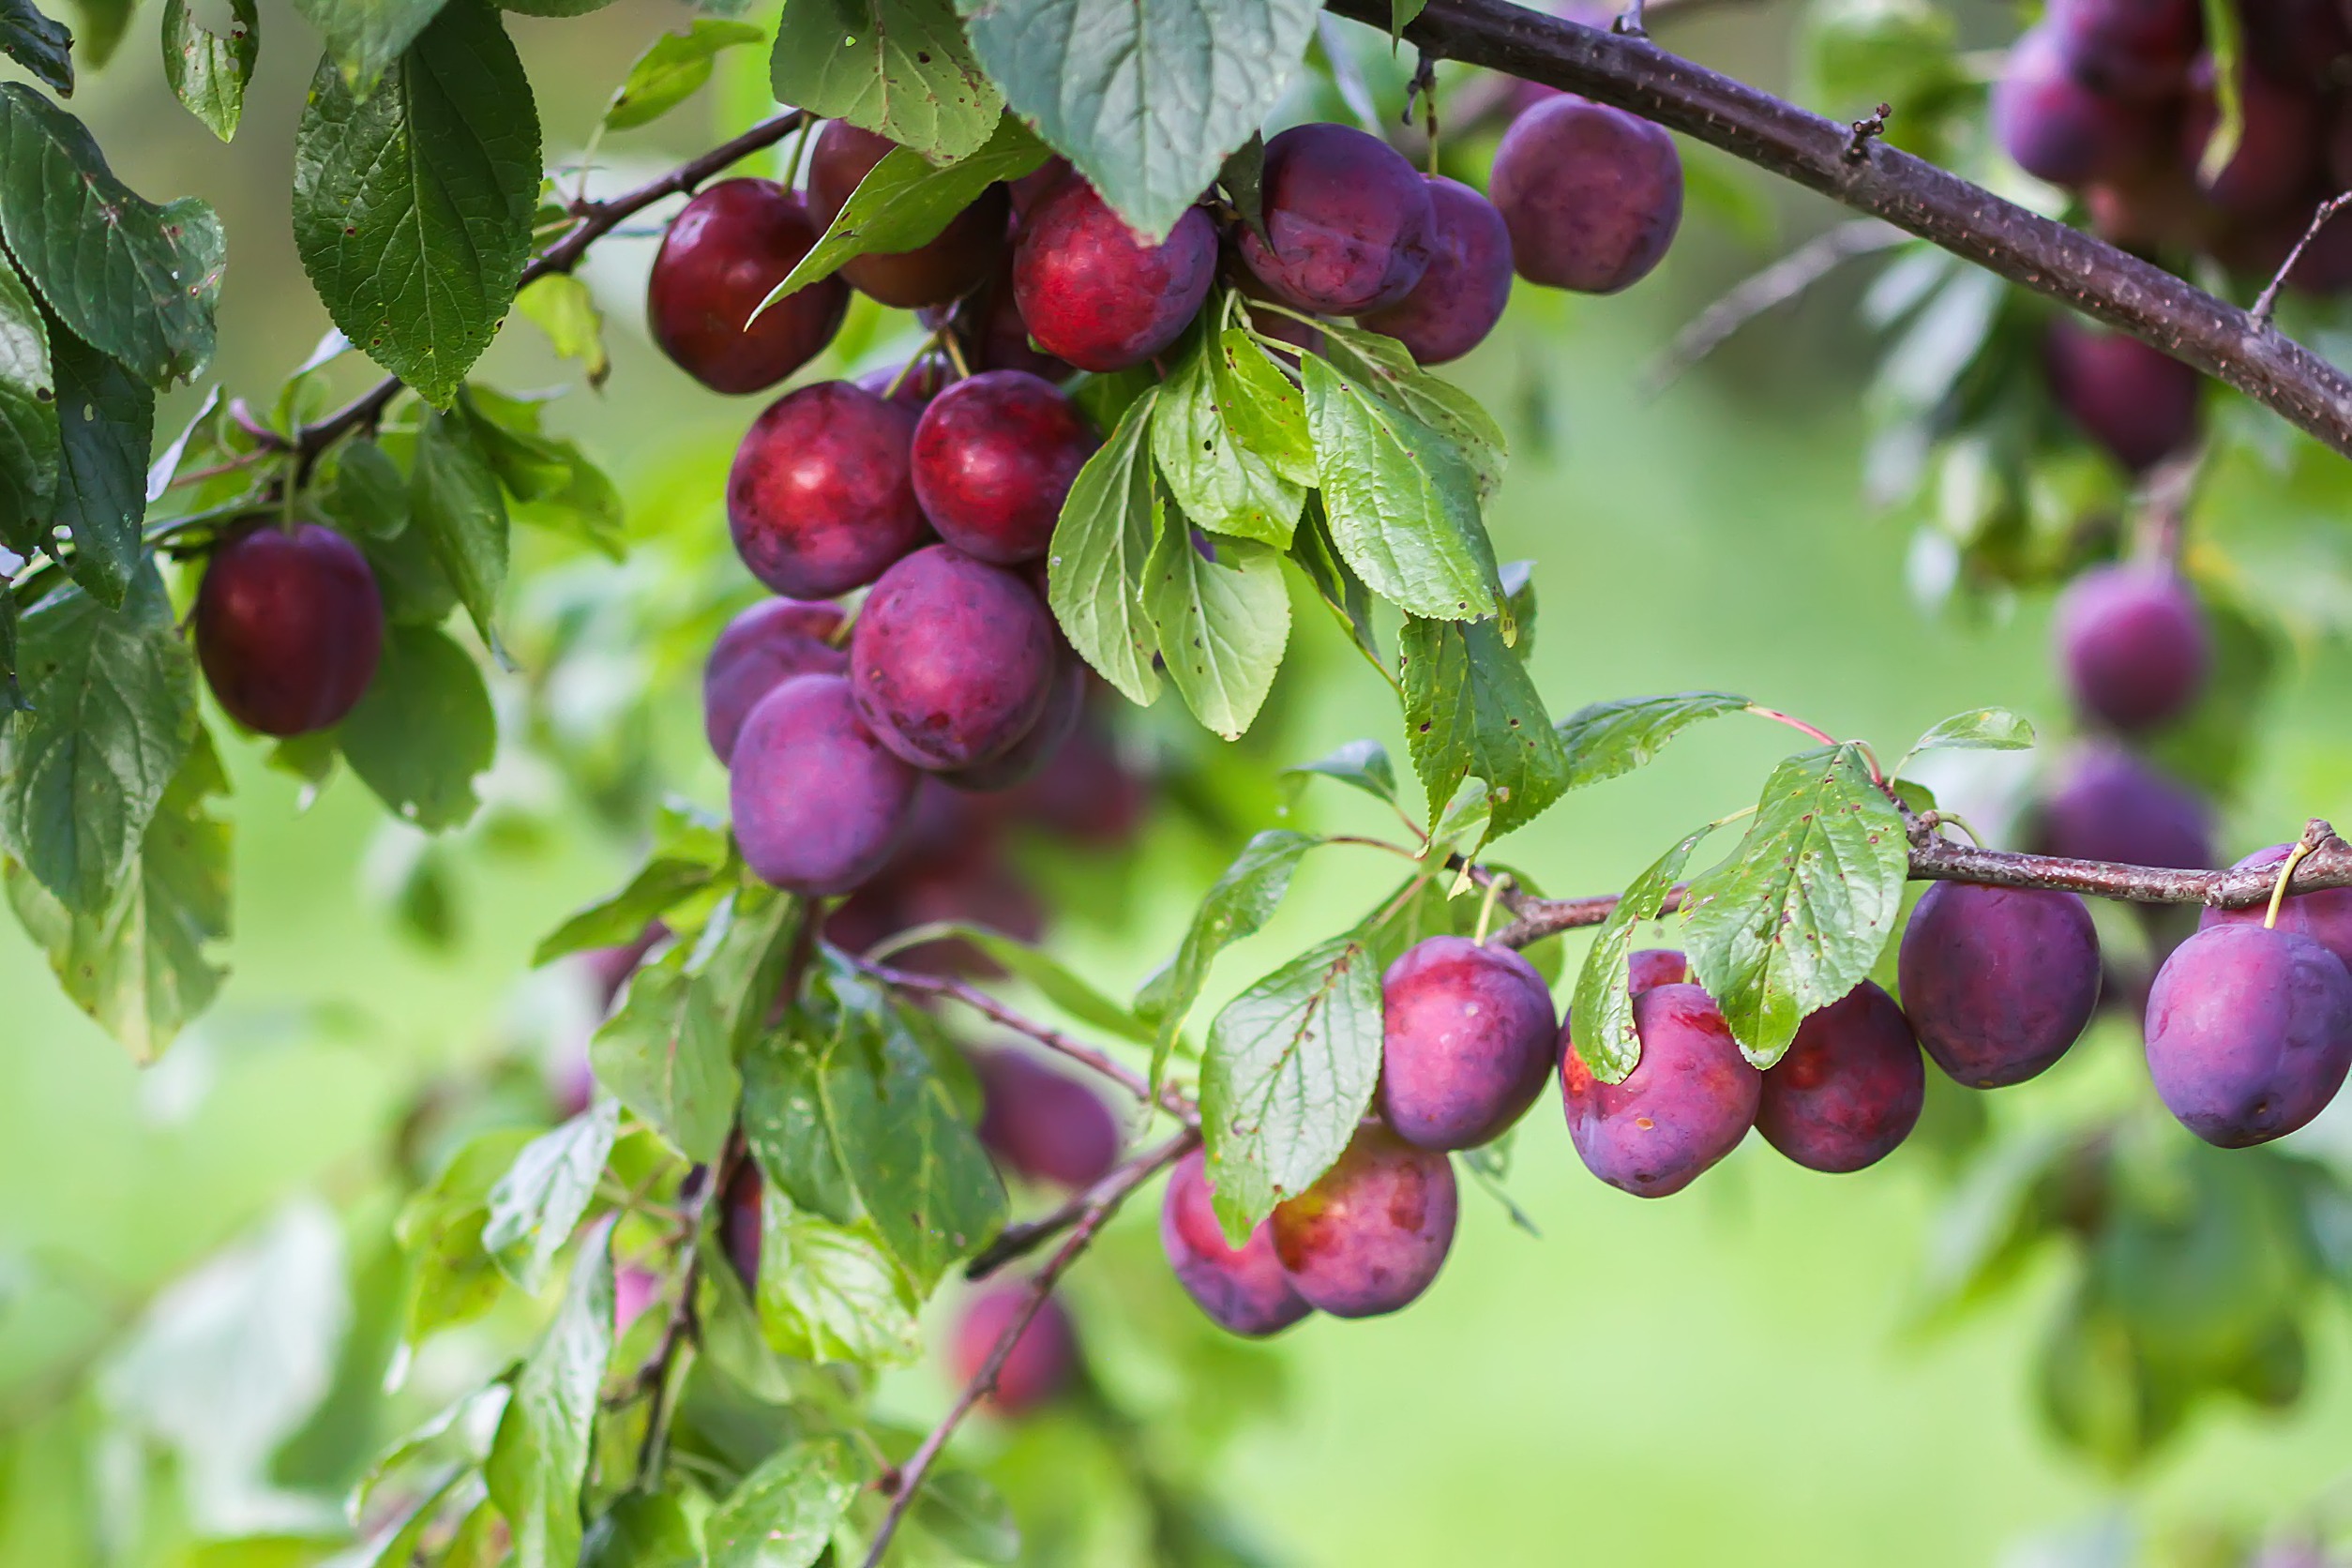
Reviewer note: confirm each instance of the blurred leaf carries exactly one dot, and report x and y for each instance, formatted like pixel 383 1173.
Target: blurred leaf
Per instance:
pixel 642 1529
pixel 535 1206
pixel 1290 1070
pixel 1108 526
pixel 1217 482
pixel 459 1432
pixel 29 434
pixel 1401 14
pixel 783 1513
pixel 459 508
pixel 540 1458
pixel 898 66
pixel 1488 1166
pixel 1472 711
pixel 672 69
pixel 41 46
pixel 1261 407
pixel 1519 597
pixel 664 1052
pixel 367 495
pixel 1336 583
pixel 2223 42
pixel 207 71
pixel 99 28
pixel 365 36
pixel 1979 729
pixel 967 1515
pixel 1463 824
pixel 1221 625
pixel 1723 188
pixel 1362 765
pixel 1053 980
pixel 561 306
pixel 1606 739
pixel 784 1124
pixel 424 731
pixel 1243 179
pixel 105 422
pixel 401 1540
pixel 441 1228
pixel 829 1292
pixel 691 852
pixel 1601 1018
pixel 1862 53
pixel 1239 903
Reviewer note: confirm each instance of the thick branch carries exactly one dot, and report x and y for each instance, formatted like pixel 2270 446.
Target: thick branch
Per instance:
pixel 2037 252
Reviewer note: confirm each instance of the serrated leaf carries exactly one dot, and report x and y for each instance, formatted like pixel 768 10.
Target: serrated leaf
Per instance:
pixel 207 73
pixel 1290 1070
pixel 133 280
pixel 539 1461
pixel 412 207
pixel 1221 625
pixel 688 856
pixel 147 965
pixel 1472 711
pixel 365 36
pixel 100 27
pixel 664 1054
pixel 459 509
pixel 29 451
pixel 1362 765
pixel 366 492
pixel 113 696
pixel 535 1206
pixel 1146 101
pixel 1054 980
pixel 40 45
pixel 1386 369
pixel 829 1292
pixel 1401 14
pixel 561 306
pixel 898 66
pixel 1213 478
pixel 1601 1017
pixel 453 1278
pixel 1095 564
pixel 1605 739
pixel 1265 411
pixel 1237 905
pixel 782 1514
pixel 1797 916
pixel 105 423
pixel 784 1123
pixel 672 69
pixel 1978 730
pixel 424 731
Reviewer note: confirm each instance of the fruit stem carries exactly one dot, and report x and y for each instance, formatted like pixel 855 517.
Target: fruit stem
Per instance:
pixel 1495 885
pixel 2278 891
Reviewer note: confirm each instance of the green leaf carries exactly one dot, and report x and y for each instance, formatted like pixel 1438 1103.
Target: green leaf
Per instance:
pixel 400 1543
pixel 1054 981
pixel 904 201
pixel 207 71
pixel 1237 905
pixel 412 207
pixel 101 25
pixel 147 965
pixel 1386 369
pixel 41 46
pixel 1261 406
pixel 672 69
pixel 1797 916
pixel 1601 1017
pixel 441 1230
pixel 782 1514
pixel 1519 597
pixel 540 1459
pixel 1401 14
pixel 535 1206
pixel 132 280
pixel 561 306
pixel 1336 583
pixel 1471 710
pixel 459 1432
pixel 461 511
pixel 665 1054
pixel 1361 764
pixel 642 1529
pixel 366 493
pixel 105 422
pixel 28 417
pixel 113 696
pixel 1145 100
pixel 1605 739
pixel 1403 504
pixel 1978 730
pixel 1213 478
pixel 1221 625
pixel 830 1292
pixel 898 66
pixel 11 694
pixel 1243 179
pixel 424 731
pixel 1290 1070
pixel 784 1123
pixel 690 854
pixel 365 36
pixel 1095 564
pixel 2223 42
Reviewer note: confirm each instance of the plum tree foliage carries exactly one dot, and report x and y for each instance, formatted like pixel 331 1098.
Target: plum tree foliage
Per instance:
pixel 1092 338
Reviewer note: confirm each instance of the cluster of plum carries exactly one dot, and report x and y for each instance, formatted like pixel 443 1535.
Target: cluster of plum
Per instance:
pixel 2119 100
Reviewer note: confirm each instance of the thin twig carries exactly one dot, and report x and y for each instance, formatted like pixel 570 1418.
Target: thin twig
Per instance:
pixel 1778 284
pixel 906 1482
pixel 2164 505
pixel 2268 301
pixel 1019 1240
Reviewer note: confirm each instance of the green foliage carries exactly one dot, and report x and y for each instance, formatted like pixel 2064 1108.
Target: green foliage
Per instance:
pixel 460 511
pixel 540 1459
pixel 691 852
pixel 899 66
pixel 1472 711
pixel 1214 477
pixel 38 43
pixel 1360 764
pixel 365 38
pixel 673 69
pixel 29 438
pixel 1979 729
pixel 1097 563
pixel 424 731
pixel 1236 905
pixel 535 1205
pixel 667 1052
pixel 207 71
pixel 1601 1018
pixel 441 1228
pixel 105 420
pixel 1604 740
pixel 782 1514
pixel 829 1292
pixel 1221 625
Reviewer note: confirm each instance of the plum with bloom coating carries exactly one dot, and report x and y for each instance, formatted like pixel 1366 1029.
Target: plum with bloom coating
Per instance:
pixel 1467 1034
pixel 761 648
pixel 1460 298
pixel 820 804
pixel 1348 223
pixel 1043 1361
pixel 1592 196
pixel 2132 641
pixel 994 460
pixel 932 273
pixel 1688 1102
pixel 953 660
pixel 1850 1088
pixel 1369 1236
pixel 2249 1033
pixel 1243 1290
pixel 1997 982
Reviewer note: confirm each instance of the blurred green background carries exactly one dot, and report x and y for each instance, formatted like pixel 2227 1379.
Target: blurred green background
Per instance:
pixel 1727 1378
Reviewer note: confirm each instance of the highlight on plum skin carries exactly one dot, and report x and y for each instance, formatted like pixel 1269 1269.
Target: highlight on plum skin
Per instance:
pixel 1370 1234
pixel 1242 1289
pixel 993 460
pixel 820 499
pixel 1097 295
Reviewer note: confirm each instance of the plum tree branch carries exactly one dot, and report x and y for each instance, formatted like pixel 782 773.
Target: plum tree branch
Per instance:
pixel 904 1483
pixel 1823 155
pixel 1018 1240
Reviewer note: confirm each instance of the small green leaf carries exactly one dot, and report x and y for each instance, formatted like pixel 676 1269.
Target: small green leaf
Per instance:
pixel 99 28
pixel 690 854
pixel 1243 179
pixel 1221 625
pixel 1605 739
pixel 1978 730
pixel 535 1206
pixel 784 1121
pixel 829 1292
pixel 1601 1018
pixel 1237 905
pixel 105 423
pixel 1213 478
pixel 1472 711
pixel 1147 101
pixel 1290 1070
pixel 132 280
pixel 642 1529
pixel 28 415
pixel 1265 412
pixel 441 1229
pixel 672 69
pixel 412 207
pixel 459 509
pixel 782 1514
pixel 1095 564
pixel 365 36
pixel 1336 584
pixel 1362 765
pixel 969 1518
pixel 366 493
pixel 1401 14
pixel 114 697
pixel 898 66
pixel 1519 597
pixel 2223 42
pixel 40 45
pixel 207 71
pixel 539 1462
pixel 665 1054
pixel 561 306
pixel 1797 916
pixel 424 731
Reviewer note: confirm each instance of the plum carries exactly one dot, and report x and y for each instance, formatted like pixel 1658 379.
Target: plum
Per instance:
pixel 1460 298
pixel 1687 1103
pixel 1043 1124
pixel 1850 1088
pixel 1466 1042
pixel 289 627
pixel 819 803
pixel 739 1223
pixel 2249 1033
pixel 953 660
pixel 2133 643
pixel 2056 127
pixel 1591 195
pixel 987 323
pixel 2139 403
pixel 2280 143
pixel 932 273
pixel 1997 982
pixel 1030 755
pixel 1044 1359
pixel 2325 916
pixel 994 458
pixel 1371 1233
pixel 768 643
pixel 1093 292
pixel 1242 1290
pixel 721 256
pixel 1087 794
pixel 2135 50
pixel 1651 966
pixel 822 495
pixel 962 877
pixel 2108 805
pixel 1348 224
